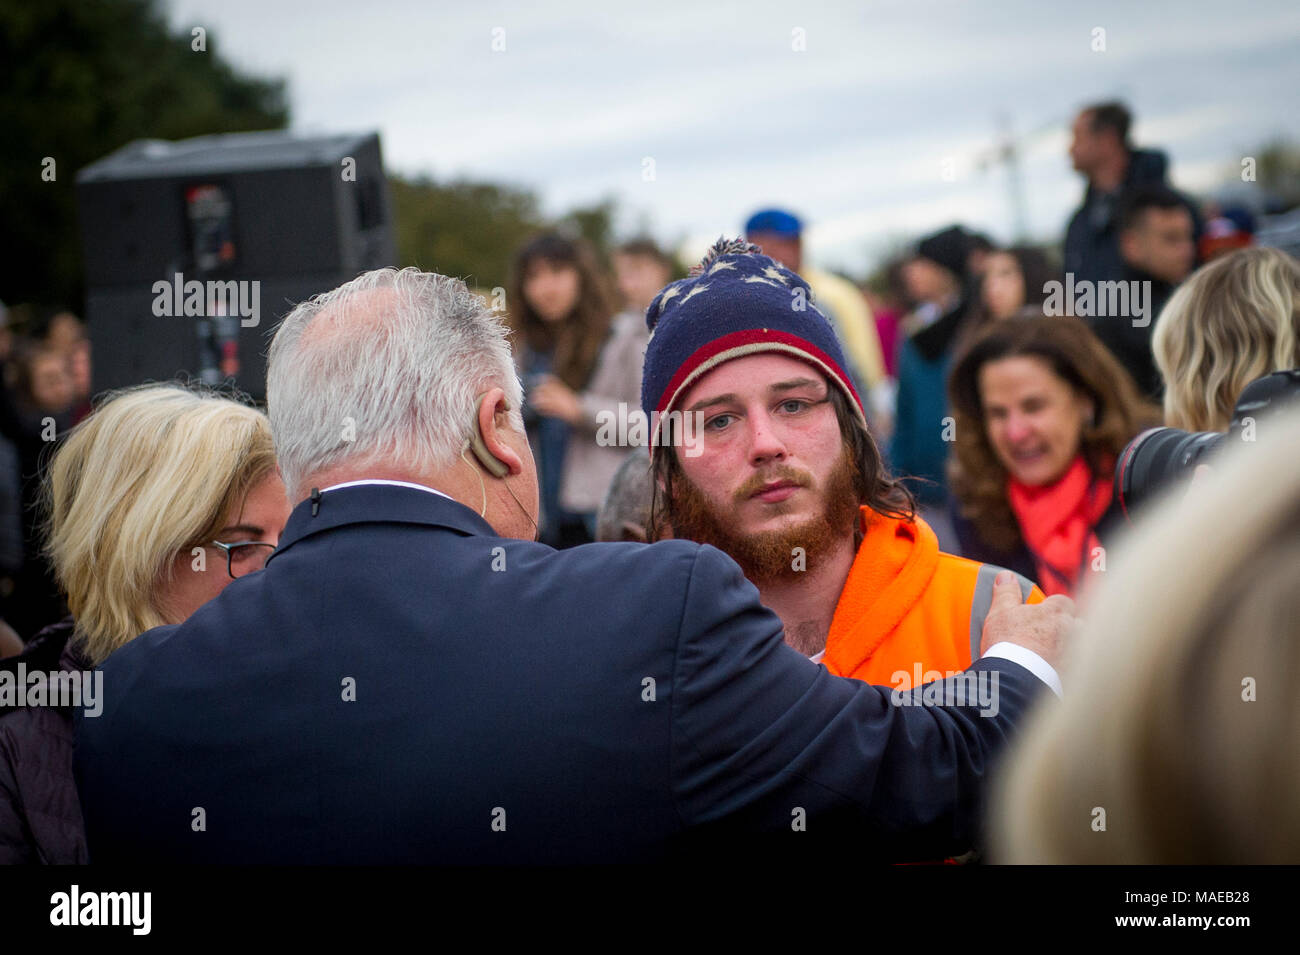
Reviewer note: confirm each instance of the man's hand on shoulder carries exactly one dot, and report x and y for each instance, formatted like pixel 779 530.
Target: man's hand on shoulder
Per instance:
pixel 1043 628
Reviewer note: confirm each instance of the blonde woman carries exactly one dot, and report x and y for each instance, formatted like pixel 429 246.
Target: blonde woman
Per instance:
pixel 157 501
pixel 1234 320
pixel 1178 739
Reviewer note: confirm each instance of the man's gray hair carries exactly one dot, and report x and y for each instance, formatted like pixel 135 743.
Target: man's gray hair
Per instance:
pixel 389 373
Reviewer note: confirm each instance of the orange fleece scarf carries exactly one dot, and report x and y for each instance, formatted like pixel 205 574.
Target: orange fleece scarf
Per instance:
pixel 1057 521
pixel 894 566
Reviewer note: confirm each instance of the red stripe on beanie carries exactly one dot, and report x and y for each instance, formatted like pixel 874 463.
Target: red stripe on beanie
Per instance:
pixel 755 337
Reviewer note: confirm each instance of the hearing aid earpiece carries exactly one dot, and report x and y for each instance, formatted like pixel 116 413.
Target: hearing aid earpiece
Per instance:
pixel 492 464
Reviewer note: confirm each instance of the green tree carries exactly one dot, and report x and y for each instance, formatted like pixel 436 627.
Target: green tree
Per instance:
pixel 82 78
pixel 595 223
pixel 1278 170
pixel 461 228
pixel 471 229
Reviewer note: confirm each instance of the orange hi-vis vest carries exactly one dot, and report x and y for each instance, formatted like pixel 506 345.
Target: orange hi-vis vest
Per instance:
pixel 909 614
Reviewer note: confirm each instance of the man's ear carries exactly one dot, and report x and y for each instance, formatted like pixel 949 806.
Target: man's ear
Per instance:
pixel 494 424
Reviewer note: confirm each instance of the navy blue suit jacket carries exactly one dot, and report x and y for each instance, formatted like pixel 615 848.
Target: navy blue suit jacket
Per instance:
pixel 401 685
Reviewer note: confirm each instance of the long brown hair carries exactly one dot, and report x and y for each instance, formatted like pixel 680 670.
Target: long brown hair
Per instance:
pixel 1076 356
pixel 575 341
pixel 874 485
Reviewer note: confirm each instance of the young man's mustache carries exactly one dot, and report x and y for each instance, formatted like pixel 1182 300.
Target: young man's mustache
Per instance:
pixel 781 473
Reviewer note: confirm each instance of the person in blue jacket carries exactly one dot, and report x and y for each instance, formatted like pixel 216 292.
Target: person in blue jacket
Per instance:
pixel 936 281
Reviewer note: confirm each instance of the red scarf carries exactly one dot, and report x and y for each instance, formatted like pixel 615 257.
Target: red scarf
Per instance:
pixel 1056 522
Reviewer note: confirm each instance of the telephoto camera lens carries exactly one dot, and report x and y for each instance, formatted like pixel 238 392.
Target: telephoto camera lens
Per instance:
pixel 1155 460
pixel 1157 457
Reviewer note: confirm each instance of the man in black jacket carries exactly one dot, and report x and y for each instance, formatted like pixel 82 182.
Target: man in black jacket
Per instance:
pixel 413 679
pixel 1156 241
pixel 1101 151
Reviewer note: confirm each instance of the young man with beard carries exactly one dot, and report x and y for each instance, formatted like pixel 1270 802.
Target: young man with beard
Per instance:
pixel 783 475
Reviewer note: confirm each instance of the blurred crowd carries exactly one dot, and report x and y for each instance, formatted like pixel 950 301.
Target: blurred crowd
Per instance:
pixel 983 420
pixel 999 400
pixel 46 366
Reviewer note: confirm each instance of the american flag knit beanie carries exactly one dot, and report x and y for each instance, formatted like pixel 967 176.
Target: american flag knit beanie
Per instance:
pixel 736 302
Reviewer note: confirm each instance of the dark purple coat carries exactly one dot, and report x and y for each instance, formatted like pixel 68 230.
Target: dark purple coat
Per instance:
pixel 40 814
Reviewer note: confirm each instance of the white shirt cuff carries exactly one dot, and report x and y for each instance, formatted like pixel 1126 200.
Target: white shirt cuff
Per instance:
pixel 1028 659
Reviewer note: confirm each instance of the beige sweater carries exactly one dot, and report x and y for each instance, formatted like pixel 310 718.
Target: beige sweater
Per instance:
pixel 589 468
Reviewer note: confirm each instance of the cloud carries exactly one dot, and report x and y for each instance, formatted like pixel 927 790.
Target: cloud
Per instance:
pixel 851 131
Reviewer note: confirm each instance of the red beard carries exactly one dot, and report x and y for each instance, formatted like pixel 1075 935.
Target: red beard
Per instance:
pixel 769 556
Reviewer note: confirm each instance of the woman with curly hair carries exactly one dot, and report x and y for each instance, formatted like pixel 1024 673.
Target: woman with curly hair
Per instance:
pixel 1041 412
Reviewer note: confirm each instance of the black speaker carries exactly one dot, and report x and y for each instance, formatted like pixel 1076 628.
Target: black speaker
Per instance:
pixel 194 250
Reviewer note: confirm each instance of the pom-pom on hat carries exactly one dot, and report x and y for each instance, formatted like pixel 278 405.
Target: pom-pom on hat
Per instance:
pixel 736 302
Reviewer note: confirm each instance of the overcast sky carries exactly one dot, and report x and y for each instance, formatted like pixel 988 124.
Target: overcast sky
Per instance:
pixel 872 131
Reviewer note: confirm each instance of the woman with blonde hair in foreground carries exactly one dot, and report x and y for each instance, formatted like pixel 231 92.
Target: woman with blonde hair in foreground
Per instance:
pixel 157 501
pixel 1234 320
pixel 1178 739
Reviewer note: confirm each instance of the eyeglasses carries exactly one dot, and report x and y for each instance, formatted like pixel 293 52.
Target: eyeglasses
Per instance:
pixel 245 557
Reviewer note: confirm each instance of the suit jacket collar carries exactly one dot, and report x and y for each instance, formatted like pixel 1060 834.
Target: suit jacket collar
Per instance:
pixel 379 504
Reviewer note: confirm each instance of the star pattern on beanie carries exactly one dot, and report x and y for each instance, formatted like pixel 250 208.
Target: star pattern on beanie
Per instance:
pixel 694 292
